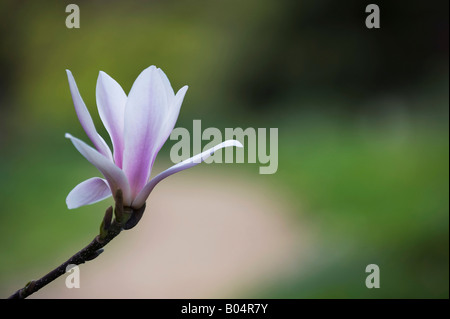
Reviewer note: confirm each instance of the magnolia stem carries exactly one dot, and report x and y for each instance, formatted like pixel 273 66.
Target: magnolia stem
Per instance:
pixel 125 218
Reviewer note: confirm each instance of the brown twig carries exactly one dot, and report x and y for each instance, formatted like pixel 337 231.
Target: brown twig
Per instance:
pixel 125 218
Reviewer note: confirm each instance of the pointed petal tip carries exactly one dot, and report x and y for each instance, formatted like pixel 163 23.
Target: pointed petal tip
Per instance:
pixel 150 68
pixel 101 79
pixel 232 143
pixel 180 95
pixel 183 89
pixel 102 74
pixel 67 135
pixel 69 76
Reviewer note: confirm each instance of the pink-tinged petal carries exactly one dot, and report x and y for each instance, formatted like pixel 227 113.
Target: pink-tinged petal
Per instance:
pixel 114 175
pixel 190 162
pixel 171 119
pixel 86 119
pixel 88 192
pixel 111 100
pixel 145 113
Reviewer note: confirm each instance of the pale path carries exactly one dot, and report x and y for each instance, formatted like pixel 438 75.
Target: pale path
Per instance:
pixel 202 236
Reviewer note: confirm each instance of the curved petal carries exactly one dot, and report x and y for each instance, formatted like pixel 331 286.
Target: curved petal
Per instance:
pixel 172 116
pixel 86 119
pixel 145 113
pixel 171 119
pixel 114 175
pixel 111 100
pixel 88 192
pixel 190 162
pixel 169 90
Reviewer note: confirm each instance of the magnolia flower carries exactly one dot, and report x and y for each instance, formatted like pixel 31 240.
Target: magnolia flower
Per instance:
pixel 138 126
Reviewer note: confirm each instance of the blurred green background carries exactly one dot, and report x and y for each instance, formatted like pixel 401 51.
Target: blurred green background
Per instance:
pixel 362 118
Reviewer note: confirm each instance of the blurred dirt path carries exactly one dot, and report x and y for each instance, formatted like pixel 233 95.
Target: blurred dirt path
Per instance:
pixel 202 236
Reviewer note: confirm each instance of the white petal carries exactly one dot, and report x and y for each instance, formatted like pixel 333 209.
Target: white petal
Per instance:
pixel 145 114
pixel 114 175
pixel 169 90
pixel 190 162
pixel 174 111
pixel 86 119
pixel 111 100
pixel 169 123
pixel 88 192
